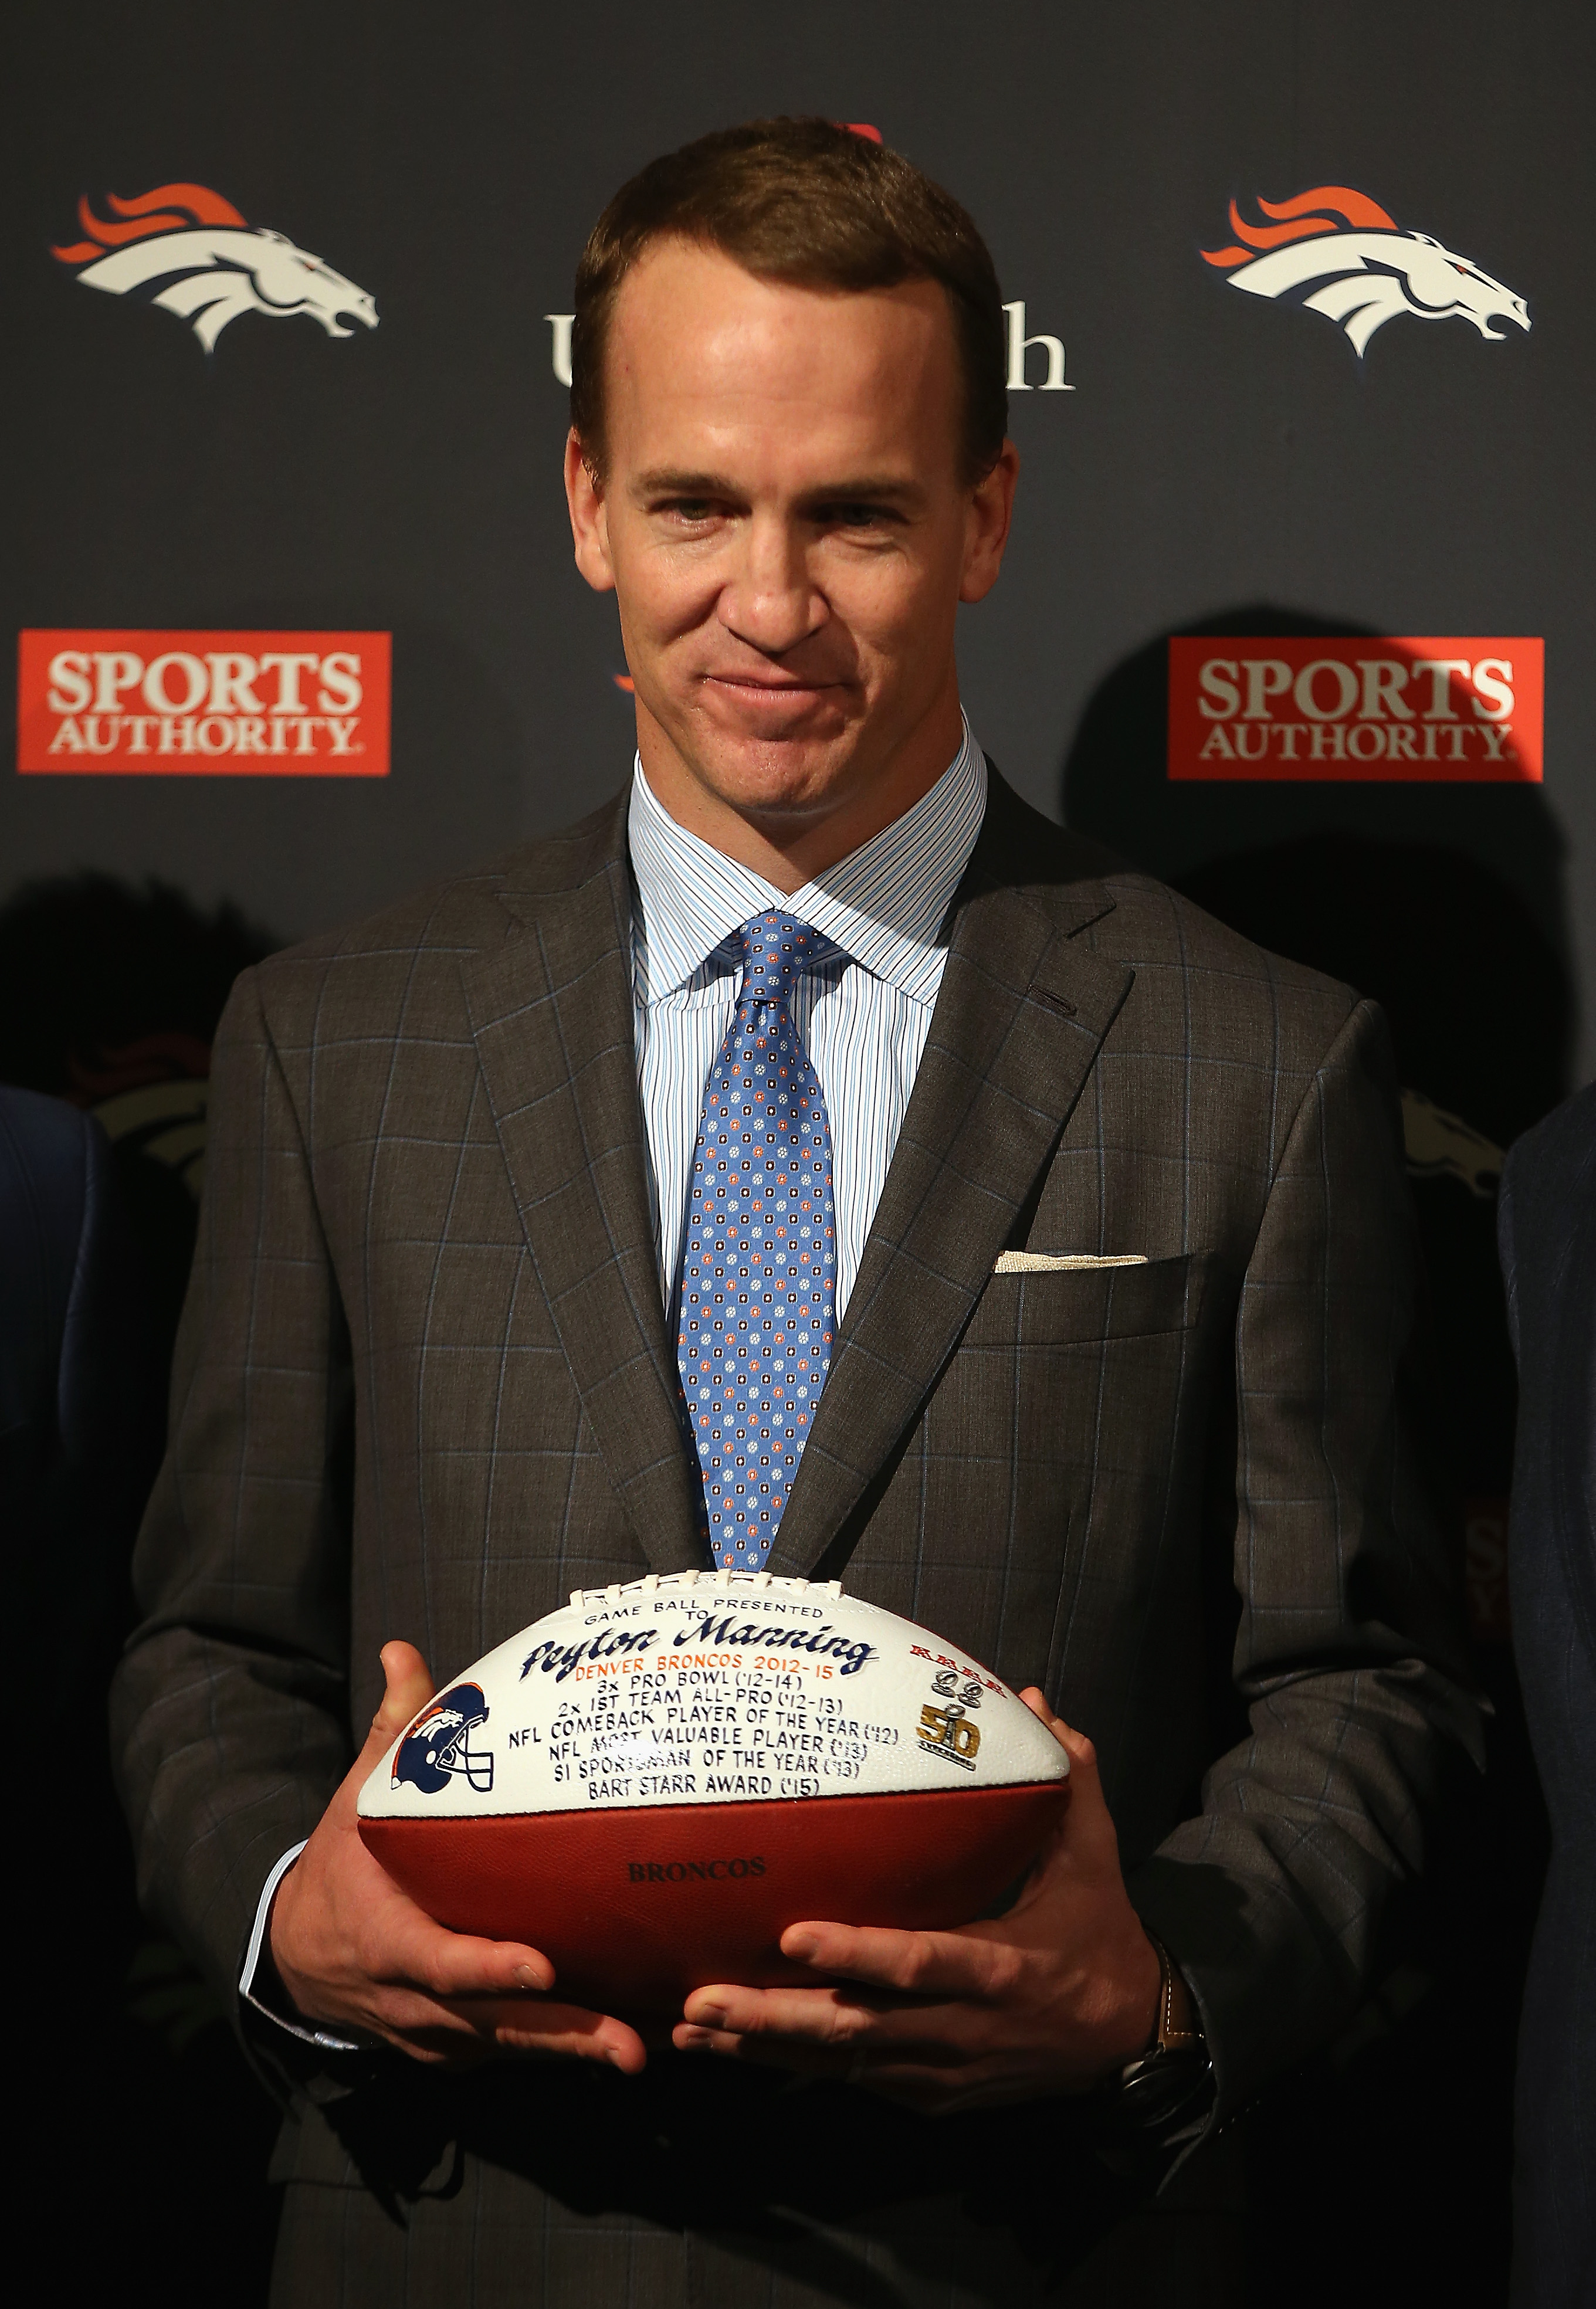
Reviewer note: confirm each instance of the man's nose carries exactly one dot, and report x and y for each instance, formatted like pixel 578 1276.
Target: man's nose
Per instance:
pixel 771 601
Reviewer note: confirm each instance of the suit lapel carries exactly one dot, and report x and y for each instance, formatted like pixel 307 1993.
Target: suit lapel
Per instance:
pixel 1018 1022
pixel 552 1015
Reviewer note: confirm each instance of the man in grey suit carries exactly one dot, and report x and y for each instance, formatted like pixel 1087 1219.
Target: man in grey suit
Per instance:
pixel 1108 1318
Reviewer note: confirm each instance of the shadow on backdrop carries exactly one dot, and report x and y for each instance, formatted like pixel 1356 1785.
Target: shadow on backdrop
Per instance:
pixel 109 999
pixel 1445 903
pixel 1115 786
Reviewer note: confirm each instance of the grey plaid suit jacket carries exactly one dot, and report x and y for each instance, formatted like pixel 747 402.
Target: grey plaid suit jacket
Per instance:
pixel 425 1389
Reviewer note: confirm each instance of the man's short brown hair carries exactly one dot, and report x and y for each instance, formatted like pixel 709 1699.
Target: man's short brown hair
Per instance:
pixel 813 204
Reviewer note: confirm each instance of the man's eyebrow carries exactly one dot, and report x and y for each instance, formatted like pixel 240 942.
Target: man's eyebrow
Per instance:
pixel 864 488
pixel 869 489
pixel 665 481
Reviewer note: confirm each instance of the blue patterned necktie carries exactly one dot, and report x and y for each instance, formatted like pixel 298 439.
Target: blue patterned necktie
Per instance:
pixel 759 1269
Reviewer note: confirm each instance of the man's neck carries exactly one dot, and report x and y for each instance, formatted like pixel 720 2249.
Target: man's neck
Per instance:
pixel 790 851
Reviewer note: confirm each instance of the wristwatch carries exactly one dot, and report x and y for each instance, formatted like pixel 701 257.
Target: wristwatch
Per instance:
pixel 1174 2078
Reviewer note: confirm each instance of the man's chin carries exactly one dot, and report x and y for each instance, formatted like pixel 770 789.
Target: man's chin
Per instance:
pixel 772 784
pixel 775 764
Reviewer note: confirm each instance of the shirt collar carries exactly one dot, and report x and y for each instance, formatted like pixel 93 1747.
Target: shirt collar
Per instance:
pixel 884 904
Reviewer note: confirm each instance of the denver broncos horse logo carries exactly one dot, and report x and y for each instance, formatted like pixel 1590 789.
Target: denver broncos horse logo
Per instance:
pixel 1370 272
pixel 185 248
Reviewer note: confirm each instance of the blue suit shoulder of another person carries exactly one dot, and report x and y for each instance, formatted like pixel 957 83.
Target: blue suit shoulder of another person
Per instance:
pixel 79 1416
pixel 1548 1237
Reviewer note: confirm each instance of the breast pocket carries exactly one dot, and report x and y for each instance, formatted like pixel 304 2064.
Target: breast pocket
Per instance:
pixel 1063 1438
pixel 1090 1306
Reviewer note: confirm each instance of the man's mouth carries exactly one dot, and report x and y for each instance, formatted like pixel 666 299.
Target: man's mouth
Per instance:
pixel 770 685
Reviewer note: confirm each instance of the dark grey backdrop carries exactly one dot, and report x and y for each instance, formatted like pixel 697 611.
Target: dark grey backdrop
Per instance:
pixel 1218 452
pixel 1222 462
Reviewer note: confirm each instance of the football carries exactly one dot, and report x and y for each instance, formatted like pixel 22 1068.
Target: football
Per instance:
pixel 651 1785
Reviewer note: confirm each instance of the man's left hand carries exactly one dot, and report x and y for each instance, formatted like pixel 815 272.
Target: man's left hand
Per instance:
pixel 1051 1998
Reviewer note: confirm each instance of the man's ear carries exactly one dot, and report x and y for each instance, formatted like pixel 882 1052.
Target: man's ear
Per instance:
pixel 986 528
pixel 590 521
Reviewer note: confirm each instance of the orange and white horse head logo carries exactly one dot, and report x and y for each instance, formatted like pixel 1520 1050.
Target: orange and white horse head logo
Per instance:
pixel 1370 272
pixel 185 248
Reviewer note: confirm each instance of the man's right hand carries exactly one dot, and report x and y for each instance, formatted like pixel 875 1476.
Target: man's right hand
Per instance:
pixel 355 1954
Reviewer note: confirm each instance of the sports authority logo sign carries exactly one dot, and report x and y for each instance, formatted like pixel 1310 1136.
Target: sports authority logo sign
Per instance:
pixel 203 704
pixel 1449 708
pixel 185 248
pixel 1338 253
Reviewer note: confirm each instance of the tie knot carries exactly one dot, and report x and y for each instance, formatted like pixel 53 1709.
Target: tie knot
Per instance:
pixel 775 948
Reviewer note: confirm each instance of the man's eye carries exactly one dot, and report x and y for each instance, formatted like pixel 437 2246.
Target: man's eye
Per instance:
pixel 691 509
pixel 856 516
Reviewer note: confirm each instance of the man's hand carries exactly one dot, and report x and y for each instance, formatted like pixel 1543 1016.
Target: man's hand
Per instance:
pixel 357 1955
pixel 1050 1998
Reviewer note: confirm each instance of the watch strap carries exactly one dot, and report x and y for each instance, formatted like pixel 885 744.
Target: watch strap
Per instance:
pixel 1167 2088
pixel 1178 2028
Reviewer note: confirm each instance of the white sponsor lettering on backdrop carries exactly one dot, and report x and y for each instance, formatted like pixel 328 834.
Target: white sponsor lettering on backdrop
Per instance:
pixel 1020 344
pixel 561 323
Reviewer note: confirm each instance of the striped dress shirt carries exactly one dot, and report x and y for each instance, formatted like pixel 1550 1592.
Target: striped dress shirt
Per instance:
pixel 863 1016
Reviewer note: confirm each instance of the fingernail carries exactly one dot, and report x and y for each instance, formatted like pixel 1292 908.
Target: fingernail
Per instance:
pixel 526 1976
pixel 710 2016
pixel 800 1946
pixel 692 2040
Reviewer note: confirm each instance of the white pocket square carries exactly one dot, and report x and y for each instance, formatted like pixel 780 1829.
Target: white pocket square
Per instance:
pixel 1042 1262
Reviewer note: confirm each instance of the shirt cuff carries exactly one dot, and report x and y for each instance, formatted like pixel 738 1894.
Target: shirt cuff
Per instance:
pixel 324 2037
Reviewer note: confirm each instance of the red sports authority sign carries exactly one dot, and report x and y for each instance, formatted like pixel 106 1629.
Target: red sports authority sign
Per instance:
pixel 1450 708
pixel 203 704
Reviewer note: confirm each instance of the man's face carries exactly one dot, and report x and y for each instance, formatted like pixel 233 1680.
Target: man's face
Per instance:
pixel 784 522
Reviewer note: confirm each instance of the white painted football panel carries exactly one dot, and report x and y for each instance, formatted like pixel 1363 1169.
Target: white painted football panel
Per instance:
pixel 711 1689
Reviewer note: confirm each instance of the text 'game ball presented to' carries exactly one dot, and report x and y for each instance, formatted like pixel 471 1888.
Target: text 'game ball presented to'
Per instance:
pixel 653 1784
